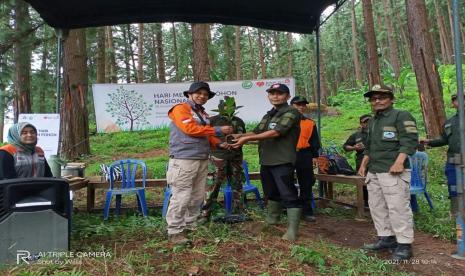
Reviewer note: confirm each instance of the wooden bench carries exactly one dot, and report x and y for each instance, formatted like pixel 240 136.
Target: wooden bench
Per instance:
pixel 327 181
pixel 96 182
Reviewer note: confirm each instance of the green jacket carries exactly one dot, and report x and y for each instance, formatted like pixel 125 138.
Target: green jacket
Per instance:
pixel 359 136
pixel 450 136
pixel 280 150
pixel 238 127
pixel 390 132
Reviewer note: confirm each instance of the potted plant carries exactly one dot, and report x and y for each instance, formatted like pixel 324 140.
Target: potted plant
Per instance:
pixel 227 109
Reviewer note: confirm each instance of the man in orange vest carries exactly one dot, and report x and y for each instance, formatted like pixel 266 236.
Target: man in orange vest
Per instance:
pixel 191 137
pixel 307 149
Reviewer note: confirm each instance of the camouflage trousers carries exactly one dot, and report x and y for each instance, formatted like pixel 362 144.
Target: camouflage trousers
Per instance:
pixel 225 170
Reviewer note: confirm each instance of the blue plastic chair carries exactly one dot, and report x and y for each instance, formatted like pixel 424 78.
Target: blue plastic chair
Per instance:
pixel 129 169
pixel 247 188
pixel 419 178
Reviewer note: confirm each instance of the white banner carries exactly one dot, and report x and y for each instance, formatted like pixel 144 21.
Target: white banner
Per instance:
pixel 124 107
pixel 48 130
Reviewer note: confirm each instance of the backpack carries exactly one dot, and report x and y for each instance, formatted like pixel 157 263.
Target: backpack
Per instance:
pixel 341 164
pixel 331 162
pixel 326 165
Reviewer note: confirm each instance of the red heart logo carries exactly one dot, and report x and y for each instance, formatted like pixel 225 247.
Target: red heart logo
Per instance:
pixel 260 83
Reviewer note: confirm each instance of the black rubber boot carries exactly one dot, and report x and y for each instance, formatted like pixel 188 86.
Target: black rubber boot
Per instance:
pixel 388 242
pixel 403 252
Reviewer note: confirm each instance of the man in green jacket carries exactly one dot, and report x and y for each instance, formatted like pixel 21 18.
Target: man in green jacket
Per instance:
pixel 392 137
pixel 278 133
pixel 451 137
pixel 356 142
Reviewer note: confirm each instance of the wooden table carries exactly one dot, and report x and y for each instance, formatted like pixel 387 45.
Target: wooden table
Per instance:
pixel 327 180
pixel 77 183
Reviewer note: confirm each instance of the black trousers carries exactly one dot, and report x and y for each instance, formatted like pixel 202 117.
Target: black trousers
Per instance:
pixel 306 178
pixel 278 185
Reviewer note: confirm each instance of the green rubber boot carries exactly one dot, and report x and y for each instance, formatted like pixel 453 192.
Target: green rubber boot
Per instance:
pixel 274 212
pixel 293 220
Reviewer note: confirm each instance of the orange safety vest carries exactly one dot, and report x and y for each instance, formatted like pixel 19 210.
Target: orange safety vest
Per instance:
pixel 27 165
pixel 306 130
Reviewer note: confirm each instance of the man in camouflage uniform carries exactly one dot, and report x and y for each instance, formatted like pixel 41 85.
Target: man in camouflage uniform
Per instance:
pixel 392 137
pixel 356 142
pixel 228 165
pixel 278 133
pixel 451 137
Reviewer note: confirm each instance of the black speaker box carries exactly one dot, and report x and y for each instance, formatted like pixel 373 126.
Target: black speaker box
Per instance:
pixel 34 218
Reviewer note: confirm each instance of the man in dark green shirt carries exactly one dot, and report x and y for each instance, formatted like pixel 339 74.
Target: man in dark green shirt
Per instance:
pixel 278 133
pixel 356 142
pixel 392 137
pixel 451 137
pixel 228 163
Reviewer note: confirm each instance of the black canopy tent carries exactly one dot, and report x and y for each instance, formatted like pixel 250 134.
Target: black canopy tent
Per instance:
pixel 300 16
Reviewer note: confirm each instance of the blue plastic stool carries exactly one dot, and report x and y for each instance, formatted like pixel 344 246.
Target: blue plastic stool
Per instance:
pixel 228 198
pixel 312 201
pixel 247 188
pixel 166 201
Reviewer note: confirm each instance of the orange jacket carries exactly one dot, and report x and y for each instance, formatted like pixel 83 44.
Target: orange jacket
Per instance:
pixel 182 116
pixel 306 130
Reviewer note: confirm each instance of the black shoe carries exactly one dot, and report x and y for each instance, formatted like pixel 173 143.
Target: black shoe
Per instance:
pixel 403 252
pixel 309 218
pixel 388 242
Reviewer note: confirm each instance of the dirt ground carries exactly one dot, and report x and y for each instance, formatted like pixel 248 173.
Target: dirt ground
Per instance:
pixel 431 255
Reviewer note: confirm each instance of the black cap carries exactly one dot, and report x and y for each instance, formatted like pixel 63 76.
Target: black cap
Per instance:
pixel 279 87
pixel 453 97
pixel 196 86
pixel 299 99
pixel 364 118
pixel 379 89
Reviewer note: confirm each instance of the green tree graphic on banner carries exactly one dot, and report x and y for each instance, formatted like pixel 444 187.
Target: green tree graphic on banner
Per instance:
pixel 128 107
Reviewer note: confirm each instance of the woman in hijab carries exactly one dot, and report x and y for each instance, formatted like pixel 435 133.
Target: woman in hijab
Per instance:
pixel 21 157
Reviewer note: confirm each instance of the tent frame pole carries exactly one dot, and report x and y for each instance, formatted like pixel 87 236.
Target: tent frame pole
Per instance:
pixel 318 95
pixel 318 81
pixel 460 168
pixel 60 39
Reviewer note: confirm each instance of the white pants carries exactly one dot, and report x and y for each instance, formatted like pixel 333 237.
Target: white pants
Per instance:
pixel 389 201
pixel 187 179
